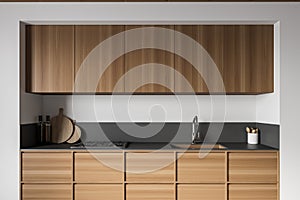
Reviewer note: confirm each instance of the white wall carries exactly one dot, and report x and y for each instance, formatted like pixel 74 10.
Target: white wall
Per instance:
pixel 268 105
pixel 287 13
pixel 155 108
pixel 30 105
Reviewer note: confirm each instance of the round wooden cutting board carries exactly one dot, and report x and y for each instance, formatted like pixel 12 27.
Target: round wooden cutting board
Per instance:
pixel 76 135
pixel 62 128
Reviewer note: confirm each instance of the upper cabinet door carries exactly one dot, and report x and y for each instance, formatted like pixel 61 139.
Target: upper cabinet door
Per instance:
pixel 200 60
pixel 241 55
pixel 248 59
pixel 50 59
pixel 99 64
pixel 149 63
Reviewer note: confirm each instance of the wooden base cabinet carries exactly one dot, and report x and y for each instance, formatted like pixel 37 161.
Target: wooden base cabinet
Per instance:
pixel 98 191
pixel 150 191
pixel 253 191
pixel 253 167
pixel 46 191
pixel 201 191
pixel 98 167
pixel 164 175
pixel 193 169
pixel 47 167
pixel 150 167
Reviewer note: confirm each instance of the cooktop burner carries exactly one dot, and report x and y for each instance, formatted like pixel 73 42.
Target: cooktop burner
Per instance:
pixel 100 144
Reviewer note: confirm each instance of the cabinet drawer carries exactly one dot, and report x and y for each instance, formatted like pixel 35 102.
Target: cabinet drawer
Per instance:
pixel 47 167
pixel 98 191
pixel 195 191
pixel 193 169
pixel 99 167
pixel 253 167
pixel 150 191
pixel 47 191
pixel 150 167
pixel 253 191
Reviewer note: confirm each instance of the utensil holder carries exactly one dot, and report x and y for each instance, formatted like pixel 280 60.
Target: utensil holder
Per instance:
pixel 252 138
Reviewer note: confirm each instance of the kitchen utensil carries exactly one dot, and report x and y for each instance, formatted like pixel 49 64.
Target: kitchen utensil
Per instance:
pixel 248 130
pixel 62 127
pixel 76 135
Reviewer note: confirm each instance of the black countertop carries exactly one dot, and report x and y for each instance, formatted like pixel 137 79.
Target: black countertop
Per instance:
pixel 152 146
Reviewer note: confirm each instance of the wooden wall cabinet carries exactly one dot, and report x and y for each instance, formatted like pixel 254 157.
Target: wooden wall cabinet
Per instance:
pixel 243 55
pixel 141 65
pixel 60 58
pixel 91 53
pixel 50 59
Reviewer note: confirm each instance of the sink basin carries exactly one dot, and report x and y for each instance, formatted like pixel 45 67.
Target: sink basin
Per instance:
pixel 199 146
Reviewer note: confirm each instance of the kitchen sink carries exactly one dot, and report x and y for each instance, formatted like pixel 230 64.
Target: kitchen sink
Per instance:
pixel 199 146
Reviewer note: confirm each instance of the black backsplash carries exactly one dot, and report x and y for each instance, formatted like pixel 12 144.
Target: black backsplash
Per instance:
pixel 269 134
pixel 28 137
pixel 163 132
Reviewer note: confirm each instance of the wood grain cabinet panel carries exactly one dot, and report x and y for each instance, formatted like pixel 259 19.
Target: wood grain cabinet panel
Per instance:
pixel 47 191
pixel 243 54
pixel 150 167
pixel 98 191
pixel 46 167
pixel 248 58
pixel 253 191
pixel 201 191
pixel 95 48
pixel 192 169
pixel 150 191
pixel 50 59
pixel 60 58
pixel 253 167
pixel 98 167
pixel 204 49
pixel 149 69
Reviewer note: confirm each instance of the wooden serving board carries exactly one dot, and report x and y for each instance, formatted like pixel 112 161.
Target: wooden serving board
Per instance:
pixel 76 135
pixel 62 128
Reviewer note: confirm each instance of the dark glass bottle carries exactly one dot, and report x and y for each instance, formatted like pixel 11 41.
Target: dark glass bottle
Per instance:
pixel 47 129
pixel 40 131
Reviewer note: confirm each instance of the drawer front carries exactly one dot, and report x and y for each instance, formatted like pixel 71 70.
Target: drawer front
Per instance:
pixel 46 191
pixel 99 167
pixel 253 167
pixel 150 167
pixel 150 191
pixel 192 169
pixel 253 191
pixel 195 191
pixel 99 191
pixel 46 167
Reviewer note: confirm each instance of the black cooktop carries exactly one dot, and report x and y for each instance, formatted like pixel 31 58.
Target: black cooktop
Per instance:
pixel 100 144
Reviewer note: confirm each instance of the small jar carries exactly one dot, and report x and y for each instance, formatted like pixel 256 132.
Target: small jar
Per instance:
pixel 252 138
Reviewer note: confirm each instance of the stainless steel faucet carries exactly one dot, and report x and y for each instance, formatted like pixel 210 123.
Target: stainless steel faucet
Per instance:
pixel 195 130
